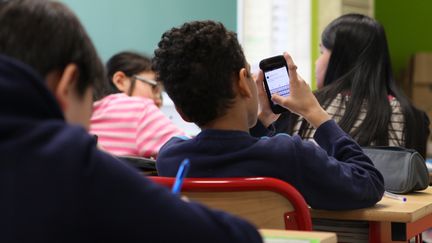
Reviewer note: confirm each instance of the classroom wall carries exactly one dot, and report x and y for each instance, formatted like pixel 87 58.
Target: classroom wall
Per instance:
pixel 315 40
pixel 408 26
pixel 138 24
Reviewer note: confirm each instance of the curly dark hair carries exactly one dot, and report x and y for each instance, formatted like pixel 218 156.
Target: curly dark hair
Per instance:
pixel 198 64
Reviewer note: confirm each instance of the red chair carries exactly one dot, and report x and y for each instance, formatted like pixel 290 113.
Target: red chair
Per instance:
pixel 267 203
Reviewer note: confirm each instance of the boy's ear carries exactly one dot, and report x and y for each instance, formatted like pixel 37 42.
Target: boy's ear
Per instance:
pixel 243 84
pixel 66 86
pixel 121 81
pixel 183 115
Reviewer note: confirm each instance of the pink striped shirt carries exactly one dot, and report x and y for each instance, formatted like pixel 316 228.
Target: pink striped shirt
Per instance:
pixel 131 126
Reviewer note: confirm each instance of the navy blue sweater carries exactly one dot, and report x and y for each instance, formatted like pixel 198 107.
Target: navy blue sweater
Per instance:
pixel 56 186
pixel 335 176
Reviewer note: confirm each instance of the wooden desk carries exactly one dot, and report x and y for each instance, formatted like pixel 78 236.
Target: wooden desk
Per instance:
pixel 390 220
pixel 313 236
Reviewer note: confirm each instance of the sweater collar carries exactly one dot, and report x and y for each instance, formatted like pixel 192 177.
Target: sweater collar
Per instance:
pixel 222 133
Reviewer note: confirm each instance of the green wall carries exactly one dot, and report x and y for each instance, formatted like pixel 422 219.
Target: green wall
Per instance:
pixel 315 40
pixel 408 26
pixel 138 24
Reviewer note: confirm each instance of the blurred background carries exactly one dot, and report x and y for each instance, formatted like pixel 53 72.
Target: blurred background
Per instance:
pixel 266 28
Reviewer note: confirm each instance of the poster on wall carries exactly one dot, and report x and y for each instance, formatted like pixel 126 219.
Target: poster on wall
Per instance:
pixel 268 28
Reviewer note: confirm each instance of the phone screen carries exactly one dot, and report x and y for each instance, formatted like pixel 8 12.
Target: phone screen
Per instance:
pixel 278 81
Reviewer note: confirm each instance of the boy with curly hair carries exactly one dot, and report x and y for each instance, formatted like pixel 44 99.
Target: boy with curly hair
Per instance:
pixel 205 73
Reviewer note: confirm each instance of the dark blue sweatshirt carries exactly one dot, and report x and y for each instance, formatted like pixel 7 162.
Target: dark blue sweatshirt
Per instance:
pixel 335 176
pixel 56 186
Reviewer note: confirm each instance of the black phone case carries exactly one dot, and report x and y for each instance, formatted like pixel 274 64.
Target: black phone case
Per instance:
pixel 270 64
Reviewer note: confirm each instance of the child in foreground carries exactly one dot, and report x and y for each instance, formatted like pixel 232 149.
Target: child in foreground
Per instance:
pixel 56 185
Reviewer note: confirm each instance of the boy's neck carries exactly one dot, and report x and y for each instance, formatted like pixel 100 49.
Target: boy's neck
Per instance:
pixel 235 119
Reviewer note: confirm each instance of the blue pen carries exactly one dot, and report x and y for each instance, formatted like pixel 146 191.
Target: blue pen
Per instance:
pixel 181 174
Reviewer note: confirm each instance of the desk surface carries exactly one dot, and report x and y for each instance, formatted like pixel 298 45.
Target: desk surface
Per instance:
pixel 418 205
pixel 323 237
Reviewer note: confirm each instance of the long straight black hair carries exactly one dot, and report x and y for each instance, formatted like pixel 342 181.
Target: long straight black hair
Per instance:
pixel 360 66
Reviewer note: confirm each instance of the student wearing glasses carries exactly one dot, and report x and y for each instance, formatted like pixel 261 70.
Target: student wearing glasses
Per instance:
pixel 126 117
pixel 131 73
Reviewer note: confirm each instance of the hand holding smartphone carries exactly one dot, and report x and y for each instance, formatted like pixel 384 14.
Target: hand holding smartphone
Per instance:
pixel 276 80
pixel 297 95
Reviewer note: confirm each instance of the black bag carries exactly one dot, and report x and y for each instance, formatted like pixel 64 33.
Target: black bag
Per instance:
pixel 404 170
pixel 145 165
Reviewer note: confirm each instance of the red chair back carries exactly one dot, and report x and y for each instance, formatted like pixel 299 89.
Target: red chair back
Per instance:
pixel 266 202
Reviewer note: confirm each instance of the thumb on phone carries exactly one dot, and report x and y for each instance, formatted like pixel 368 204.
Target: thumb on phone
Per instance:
pixel 287 102
pixel 280 100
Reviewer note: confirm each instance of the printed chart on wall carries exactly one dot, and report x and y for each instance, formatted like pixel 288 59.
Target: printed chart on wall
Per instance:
pixel 268 28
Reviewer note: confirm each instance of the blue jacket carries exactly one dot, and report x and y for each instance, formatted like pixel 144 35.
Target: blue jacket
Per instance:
pixel 335 176
pixel 56 186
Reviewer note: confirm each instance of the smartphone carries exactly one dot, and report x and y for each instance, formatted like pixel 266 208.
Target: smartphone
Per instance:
pixel 276 79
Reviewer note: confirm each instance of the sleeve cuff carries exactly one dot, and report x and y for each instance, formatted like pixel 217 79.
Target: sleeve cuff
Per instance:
pixel 327 133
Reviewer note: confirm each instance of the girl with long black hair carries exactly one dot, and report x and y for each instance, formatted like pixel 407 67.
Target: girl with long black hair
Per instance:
pixel 356 86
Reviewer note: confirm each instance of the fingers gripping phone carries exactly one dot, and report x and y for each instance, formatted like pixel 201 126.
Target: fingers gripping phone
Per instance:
pixel 276 80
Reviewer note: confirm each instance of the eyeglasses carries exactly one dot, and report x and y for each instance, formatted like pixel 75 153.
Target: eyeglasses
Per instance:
pixel 146 80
